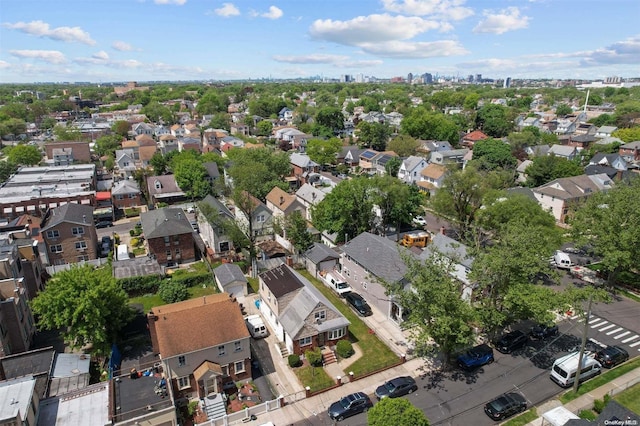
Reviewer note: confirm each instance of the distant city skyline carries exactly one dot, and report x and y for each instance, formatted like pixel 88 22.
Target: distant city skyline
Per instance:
pixel 101 41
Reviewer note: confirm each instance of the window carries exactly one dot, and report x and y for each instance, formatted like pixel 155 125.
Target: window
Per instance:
pixel 184 382
pixel 56 249
pixel 238 346
pixel 336 334
pixel 182 361
pixel 77 231
pixel 119 197
pixel 225 370
pixel 239 366
pixel 260 218
pixel 81 245
pixel 177 252
pixel 166 241
pixel 82 258
pixel 320 315
pixel 168 253
pixel 132 196
pixel 305 341
pixel 221 350
pixel 54 233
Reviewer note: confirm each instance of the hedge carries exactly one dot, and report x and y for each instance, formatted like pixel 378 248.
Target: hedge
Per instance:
pixel 139 286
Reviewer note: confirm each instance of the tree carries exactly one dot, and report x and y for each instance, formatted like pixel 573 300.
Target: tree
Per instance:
pixel 296 231
pixel 628 135
pixel 257 171
pixel 492 154
pixel 373 135
pixel 403 145
pixel 606 223
pixel 436 314
pixel 27 155
pixel 394 412
pixel 7 168
pixel 546 168
pixel 107 145
pixel 397 202
pixel 423 124
pixel 324 151
pixel 86 304
pixel 159 163
pixel 264 128
pixel 563 109
pixel 172 291
pixel 494 120
pixel 158 113
pixel 12 126
pixel 347 210
pixel 121 128
pixel 501 209
pixel 331 118
pixel 65 133
pixel 191 175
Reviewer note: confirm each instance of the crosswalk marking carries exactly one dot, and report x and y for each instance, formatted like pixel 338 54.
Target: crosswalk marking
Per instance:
pixel 614 331
pixel 630 339
pixel 607 327
pixel 633 345
pixel 594 320
pixel 598 324
pixel 620 336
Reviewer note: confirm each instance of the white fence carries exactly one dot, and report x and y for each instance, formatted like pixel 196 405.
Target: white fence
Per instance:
pixel 245 415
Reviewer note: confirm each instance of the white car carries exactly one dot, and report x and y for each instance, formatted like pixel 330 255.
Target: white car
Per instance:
pixel 419 221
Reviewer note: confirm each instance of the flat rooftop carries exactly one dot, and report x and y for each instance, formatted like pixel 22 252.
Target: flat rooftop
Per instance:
pixel 52 182
pixel 134 397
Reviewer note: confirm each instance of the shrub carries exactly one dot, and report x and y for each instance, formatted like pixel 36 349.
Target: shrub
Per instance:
pixel 294 361
pixel 314 356
pixel 139 286
pixel 171 291
pixel 132 232
pixel 135 242
pixel 190 279
pixel 192 407
pixel 598 405
pixel 587 415
pixel 344 348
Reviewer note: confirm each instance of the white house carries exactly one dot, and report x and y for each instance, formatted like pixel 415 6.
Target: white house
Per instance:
pixel 410 169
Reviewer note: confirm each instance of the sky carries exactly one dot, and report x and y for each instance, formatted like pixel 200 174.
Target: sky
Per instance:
pixel 103 41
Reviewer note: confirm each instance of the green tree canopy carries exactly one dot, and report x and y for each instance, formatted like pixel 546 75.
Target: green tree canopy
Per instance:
pixel 12 126
pixel 67 133
pixel 190 174
pixel 628 135
pixel 264 128
pixel 27 155
pixel 423 124
pixel 546 168
pixel 396 412
pixel 403 145
pixel 107 145
pixel 158 113
pixel 495 120
pixel 86 304
pixel 373 135
pixel 121 128
pixel 398 202
pixel 563 109
pixel 492 154
pixel 331 118
pixel 7 168
pixel 296 231
pixel 324 151
pixel 257 171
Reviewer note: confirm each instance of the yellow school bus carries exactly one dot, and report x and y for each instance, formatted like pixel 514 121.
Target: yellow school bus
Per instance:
pixel 416 239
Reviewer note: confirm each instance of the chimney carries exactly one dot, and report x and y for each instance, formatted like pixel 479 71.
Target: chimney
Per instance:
pixel 443 231
pixel 84 218
pixel 281 200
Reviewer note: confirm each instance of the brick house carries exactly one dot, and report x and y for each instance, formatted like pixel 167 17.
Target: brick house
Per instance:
pixel 126 193
pixel 203 344
pixel 169 235
pixel 78 152
pixel 70 234
pixel 471 138
pixel 299 315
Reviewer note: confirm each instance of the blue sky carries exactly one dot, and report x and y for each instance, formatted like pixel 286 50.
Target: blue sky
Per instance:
pixel 144 40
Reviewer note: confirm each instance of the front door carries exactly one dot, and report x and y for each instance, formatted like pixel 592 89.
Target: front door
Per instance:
pixel 321 339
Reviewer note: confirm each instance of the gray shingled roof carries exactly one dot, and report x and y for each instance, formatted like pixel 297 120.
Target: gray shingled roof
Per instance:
pixel 165 222
pixel 280 281
pixel 217 204
pixel 450 248
pixel 212 169
pixel 320 252
pixel 126 186
pixel 72 213
pixel 378 255
pixel 229 273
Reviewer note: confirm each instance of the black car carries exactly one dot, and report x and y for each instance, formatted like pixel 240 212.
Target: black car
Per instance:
pixel 396 387
pixel 476 357
pixel 358 303
pixel 542 331
pixel 611 356
pixel 104 224
pixel 512 341
pixel 505 405
pixel 350 405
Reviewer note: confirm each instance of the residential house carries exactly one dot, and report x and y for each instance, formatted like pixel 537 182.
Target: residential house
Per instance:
pixel 454 156
pixel 230 142
pixel 529 122
pixel 565 126
pixel 282 203
pixel 20 243
pixel 567 152
pixel 585 129
pixel 142 129
pixel 321 257
pixel 169 236
pixel 349 156
pixel 367 262
pixel 239 129
pixel 104 207
pixel 309 196
pixel 410 169
pixel 300 316
pixel 302 167
pixel 630 151
pixel 164 189
pixel 62 156
pixel 37 363
pixel 133 146
pixel 167 143
pixel 254 218
pixel 203 345
pixel 598 169
pixel 616 161
pixel 365 161
pixel 78 152
pixel 147 147
pixel 126 193
pixel 177 130
pixel 564 195
pixel 380 161
pixel 213 234
pixel 20 401
pixel 189 143
pixel 125 163
pixel 159 131
pixel 581 141
pixel 70 234
pixel 213 174
pixel 231 280
pixel 605 131
pixel 522 171
pixel 432 177
pixel 430 146
pixel 469 139
pixel 285 114
pixel 537 150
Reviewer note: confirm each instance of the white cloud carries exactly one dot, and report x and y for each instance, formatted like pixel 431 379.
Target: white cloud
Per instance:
pixel 621 52
pixel 273 13
pixel 122 46
pixel 311 59
pixel 42 29
pixel 415 50
pixel 508 19
pixel 227 9
pixel 50 56
pixel 178 2
pixel 101 55
pixel 373 29
pixel 4 64
pixel 440 9
pixel 359 64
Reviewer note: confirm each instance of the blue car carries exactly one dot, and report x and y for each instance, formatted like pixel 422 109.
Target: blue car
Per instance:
pixel 475 357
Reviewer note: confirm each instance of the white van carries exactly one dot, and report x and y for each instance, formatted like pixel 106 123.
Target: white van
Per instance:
pixel 561 260
pixel 337 283
pixel 564 369
pixel 123 252
pixel 256 326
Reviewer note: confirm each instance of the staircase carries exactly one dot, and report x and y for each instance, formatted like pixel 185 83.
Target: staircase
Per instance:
pixel 328 357
pixel 215 406
pixel 282 348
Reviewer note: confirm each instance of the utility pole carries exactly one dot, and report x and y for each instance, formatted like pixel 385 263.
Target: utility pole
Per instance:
pixel 576 383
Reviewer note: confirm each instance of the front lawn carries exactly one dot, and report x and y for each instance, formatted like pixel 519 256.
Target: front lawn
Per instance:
pixel 630 398
pixel 523 419
pixel 314 377
pixel 375 354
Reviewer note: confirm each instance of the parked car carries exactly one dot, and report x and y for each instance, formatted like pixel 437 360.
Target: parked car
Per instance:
pixel 349 405
pixel 106 245
pixel 419 221
pixel 505 405
pixel 611 356
pixel 542 331
pixel 358 303
pixel 396 387
pixel 512 341
pixel 475 357
pixel 104 224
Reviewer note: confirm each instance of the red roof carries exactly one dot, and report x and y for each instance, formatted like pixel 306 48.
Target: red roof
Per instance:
pixel 103 195
pixel 476 135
